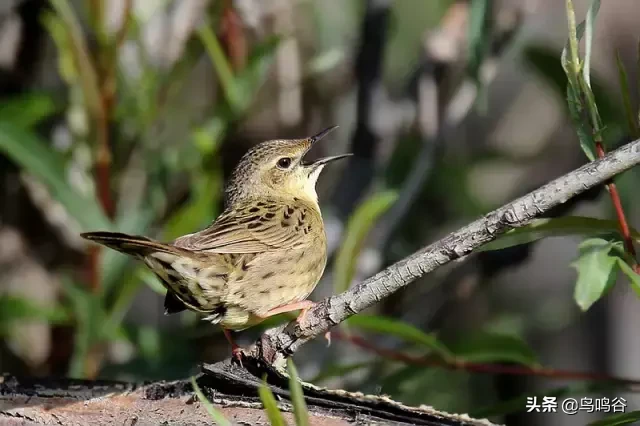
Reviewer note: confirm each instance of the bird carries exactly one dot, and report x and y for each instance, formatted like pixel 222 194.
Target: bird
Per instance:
pixel 262 256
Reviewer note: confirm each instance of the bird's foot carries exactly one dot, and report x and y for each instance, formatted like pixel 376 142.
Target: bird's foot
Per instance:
pixel 236 351
pixel 236 354
pixel 301 321
pixel 303 306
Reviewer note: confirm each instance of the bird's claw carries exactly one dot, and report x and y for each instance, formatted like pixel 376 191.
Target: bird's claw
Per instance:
pixel 236 354
pixel 327 336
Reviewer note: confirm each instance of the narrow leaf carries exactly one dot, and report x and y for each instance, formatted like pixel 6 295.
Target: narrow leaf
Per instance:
pixel 89 316
pixel 479 21
pixel 81 56
pixel 151 280
pixel 221 65
pixel 15 308
pixel 576 112
pixel 618 419
pixel 214 413
pixel 270 405
pixel 486 347
pixel 27 110
pixel 297 397
pixel 360 223
pixel 249 80
pixel 37 158
pixel 400 329
pixel 626 98
pixel 338 370
pixel 588 42
pixel 596 269
pixel 570 58
pixel 556 227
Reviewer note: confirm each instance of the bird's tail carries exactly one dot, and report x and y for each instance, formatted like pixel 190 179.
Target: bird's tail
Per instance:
pixel 130 244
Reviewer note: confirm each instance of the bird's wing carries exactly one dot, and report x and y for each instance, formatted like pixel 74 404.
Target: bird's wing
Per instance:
pixel 255 227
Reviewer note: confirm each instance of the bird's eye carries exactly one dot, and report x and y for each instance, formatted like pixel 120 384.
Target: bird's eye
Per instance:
pixel 284 163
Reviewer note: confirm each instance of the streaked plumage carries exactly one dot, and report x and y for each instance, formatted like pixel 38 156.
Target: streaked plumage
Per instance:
pixel 263 255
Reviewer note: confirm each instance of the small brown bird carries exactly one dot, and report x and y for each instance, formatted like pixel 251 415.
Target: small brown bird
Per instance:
pixel 261 257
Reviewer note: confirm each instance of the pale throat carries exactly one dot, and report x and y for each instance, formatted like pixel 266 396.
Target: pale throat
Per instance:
pixel 306 189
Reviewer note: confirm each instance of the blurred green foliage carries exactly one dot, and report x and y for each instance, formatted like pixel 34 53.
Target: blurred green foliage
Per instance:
pixel 184 158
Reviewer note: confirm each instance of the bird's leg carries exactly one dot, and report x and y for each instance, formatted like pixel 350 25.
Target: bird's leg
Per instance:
pixel 236 351
pixel 304 307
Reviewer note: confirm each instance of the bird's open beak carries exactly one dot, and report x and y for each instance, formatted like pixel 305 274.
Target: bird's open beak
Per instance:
pixel 325 160
pixel 322 134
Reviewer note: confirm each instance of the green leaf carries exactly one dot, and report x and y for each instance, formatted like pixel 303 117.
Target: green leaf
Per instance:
pixel 479 32
pixel 582 105
pixel 544 62
pixel 483 347
pixel 588 42
pixel 634 278
pixel 358 227
pixel 556 227
pixel 626 98
pixel 400 329
pixel 250 79
pixel 89 317
pixel 297 397
pixel 150 279
pixel 125 294
pixel 596 269
pixel 339 370
pixel 81 57
pixel 214 413
pixel 618 419
pixel 200 210
pixel 27 110
pixel 221 65
pixel 576 112
pixel 570 58
pixel 15 308
pixel 270 405
pixel 35 157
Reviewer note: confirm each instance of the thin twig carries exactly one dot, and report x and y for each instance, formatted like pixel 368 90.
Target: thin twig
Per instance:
pixel 277 344
pixel 473 367
pixel 233 37
pixel 617 205
pixel 127 13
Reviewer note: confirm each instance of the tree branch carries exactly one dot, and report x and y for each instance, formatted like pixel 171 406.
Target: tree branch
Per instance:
pixel 276 344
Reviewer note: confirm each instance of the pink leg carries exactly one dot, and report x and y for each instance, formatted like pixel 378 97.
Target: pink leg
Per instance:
pixel 302 306
pixel 236 351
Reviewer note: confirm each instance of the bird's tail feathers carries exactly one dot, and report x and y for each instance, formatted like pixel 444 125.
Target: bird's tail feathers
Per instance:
pixel 130 244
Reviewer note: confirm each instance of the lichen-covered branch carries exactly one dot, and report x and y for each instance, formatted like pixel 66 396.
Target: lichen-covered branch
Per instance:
pixel 277 344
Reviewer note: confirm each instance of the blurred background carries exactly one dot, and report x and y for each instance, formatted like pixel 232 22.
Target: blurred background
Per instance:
pixel 129 115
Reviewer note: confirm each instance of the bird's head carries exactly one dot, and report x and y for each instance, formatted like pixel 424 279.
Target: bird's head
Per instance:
pixel 277 168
